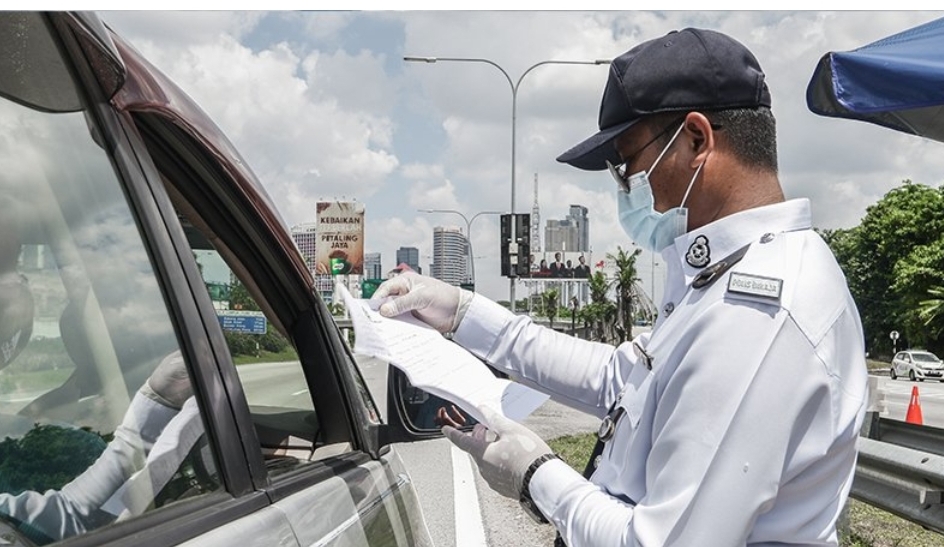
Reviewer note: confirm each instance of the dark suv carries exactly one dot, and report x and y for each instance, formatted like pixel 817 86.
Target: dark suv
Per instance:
pixel 130 228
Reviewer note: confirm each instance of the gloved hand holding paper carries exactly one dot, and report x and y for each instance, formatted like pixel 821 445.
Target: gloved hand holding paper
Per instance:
pixel 436 365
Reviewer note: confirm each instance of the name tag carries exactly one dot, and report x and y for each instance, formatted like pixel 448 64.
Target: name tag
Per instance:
pixel 755 285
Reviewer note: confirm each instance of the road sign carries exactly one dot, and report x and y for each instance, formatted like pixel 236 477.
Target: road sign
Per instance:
pixel 893 334
pixel 245 321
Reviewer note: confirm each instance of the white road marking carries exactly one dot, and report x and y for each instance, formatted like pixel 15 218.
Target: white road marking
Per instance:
pixel 469 529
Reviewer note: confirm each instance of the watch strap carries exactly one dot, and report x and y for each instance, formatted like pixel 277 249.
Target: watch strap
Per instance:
pixel 525 497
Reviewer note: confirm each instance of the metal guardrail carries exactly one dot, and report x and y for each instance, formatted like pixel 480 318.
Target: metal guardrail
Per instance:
pixel 901 470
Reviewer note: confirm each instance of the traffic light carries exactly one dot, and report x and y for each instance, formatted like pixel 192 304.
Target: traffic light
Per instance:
pixel 523 238
pixel 515 245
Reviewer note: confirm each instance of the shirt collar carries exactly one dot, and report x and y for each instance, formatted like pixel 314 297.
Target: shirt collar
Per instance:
pixel 726 235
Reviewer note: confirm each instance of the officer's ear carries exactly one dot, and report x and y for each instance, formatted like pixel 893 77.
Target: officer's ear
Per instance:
pixel 700 137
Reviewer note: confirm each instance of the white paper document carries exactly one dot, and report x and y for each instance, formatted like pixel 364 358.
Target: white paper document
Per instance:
pixel 436 365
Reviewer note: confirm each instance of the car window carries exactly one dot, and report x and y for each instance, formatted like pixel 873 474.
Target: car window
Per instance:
pixel 268 367
pixel 275 382
pixel 925 357
pixel 97 424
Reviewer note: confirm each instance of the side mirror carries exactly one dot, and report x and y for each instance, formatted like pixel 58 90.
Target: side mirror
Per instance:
pixel 412 414
pixel 422 413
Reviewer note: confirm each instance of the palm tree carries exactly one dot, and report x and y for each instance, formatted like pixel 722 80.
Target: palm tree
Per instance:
pixel 627 288
pixel 931 311
pixel 600 313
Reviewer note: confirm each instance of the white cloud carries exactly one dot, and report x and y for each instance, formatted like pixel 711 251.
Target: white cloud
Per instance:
pixel 170 28
pixel 304 145
pixel 333 113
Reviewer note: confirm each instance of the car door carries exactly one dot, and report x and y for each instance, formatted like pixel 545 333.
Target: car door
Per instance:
pixel 119 213
pixel 99 320
pixel 305 418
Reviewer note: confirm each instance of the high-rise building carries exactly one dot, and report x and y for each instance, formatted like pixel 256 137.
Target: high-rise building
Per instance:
pixel 578 215
pixel 571 234
pixel 372 268
pixel 560 235
pixel 411 257
pixel 450 255
pixel 305 236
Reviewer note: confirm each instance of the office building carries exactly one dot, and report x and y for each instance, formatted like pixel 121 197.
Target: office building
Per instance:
pixel 571 234
pixel 305 236
pixel 578 216
pixel 560 235
pixel 372 268
pixel 411 257
pixel 450 255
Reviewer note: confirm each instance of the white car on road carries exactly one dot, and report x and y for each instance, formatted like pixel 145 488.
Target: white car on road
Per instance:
pixel 917 365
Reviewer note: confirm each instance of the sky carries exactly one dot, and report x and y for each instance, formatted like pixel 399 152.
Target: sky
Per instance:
pixel 322 106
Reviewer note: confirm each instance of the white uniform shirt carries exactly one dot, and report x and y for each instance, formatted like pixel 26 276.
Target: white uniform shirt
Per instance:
pixel 141 452
pixel 744 430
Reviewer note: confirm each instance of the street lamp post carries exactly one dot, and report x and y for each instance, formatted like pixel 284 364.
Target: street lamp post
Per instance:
pixel 514 114
pixel 468 233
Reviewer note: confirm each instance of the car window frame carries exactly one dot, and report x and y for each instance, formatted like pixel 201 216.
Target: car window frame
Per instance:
pixel 303 315
pixel 189 518
pixel 229 427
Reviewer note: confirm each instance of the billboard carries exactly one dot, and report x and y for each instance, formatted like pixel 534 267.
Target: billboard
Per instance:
pixel 561 264
pixel 340 245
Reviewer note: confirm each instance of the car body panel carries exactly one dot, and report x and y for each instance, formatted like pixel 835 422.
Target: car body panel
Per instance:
pixel 245 532
pixel 361 507
pixel 922 364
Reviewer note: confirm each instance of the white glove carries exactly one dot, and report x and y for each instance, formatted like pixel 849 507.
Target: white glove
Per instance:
pixel 502 461
pixel 437 304
pixel 169 384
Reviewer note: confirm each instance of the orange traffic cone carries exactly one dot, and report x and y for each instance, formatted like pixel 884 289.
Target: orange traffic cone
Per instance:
pixel 914 409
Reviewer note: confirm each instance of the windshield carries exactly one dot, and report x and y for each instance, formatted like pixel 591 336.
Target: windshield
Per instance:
pixel 925 357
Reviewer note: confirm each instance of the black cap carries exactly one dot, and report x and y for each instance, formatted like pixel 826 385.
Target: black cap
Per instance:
pixel 689 69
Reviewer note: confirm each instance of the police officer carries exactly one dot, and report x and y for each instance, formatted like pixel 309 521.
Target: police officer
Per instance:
pixel 735 422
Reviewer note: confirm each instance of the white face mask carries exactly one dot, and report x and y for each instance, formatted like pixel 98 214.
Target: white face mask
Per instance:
pixel 650 229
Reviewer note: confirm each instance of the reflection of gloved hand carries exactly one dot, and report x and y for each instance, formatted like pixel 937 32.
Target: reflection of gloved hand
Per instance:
pixel 437 304
pixel 169 384
pixel 503 461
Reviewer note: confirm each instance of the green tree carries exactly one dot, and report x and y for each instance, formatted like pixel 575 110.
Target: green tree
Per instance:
pixel 47 457
pixel 239 297
pixel 600 313
pixel 627 287
pixel 549 299
pixel 931 311
pixel 891 261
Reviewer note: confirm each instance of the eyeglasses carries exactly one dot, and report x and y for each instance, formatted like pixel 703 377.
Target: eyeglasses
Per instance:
pixel 620 171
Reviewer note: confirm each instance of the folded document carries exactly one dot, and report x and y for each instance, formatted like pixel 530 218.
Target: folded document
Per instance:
pixel 435 364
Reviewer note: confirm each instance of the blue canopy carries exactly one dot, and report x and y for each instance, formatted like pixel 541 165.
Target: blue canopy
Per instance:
pixel 896 82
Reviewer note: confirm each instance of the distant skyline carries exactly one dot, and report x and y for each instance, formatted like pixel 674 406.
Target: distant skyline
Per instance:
pixel 322 106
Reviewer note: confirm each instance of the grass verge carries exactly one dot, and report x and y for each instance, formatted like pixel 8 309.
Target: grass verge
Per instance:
pixel 867 526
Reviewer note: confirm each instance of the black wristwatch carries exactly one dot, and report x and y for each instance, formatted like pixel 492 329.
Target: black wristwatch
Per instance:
pixel 526 502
